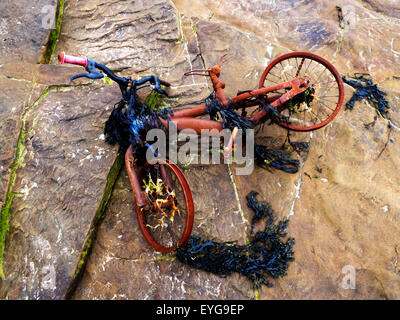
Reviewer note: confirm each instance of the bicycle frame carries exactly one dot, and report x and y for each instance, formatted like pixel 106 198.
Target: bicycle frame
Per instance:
pixel 185 119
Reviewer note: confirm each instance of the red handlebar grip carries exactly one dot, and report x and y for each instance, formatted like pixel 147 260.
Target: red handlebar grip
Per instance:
pixel 73 60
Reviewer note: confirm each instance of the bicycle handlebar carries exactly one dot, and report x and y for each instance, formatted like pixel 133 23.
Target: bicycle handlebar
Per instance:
pixel 91 66
pixel 216 70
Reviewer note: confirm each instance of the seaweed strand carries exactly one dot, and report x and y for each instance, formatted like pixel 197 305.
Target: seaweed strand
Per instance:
pixel 366 89
pixel 265 256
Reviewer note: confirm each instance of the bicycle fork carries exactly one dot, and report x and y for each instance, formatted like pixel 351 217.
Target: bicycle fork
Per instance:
pixel 140 196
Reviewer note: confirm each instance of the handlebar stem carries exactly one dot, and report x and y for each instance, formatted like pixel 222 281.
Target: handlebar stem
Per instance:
pixel 218 86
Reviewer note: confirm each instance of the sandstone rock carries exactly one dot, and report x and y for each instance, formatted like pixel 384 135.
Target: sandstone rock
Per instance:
pixel 345 217
pixel 59 75
pixel 368 42
pixel 12 101
pixel 59 190
pixel 242 67
pixel 24 30
pixel 21 49
pixel 388 7
pixel 23 37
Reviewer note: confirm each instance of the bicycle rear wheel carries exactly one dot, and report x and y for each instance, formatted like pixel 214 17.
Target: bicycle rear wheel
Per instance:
pixel 318 105
pixel 166 223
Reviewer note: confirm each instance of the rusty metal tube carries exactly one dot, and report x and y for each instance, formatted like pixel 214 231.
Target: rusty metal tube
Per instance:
pixel 190 112
pixel 137 190
pixel 195 124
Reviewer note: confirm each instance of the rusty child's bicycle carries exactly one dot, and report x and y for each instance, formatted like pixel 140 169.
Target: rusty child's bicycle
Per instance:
pixel 299 91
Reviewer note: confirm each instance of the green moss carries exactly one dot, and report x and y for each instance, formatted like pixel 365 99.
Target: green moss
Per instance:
pixel 180 30
pixel 85 252
pixel 235 188
pixel 193 28
pixel 167 257
pixel 55 33
pixel 156 101
pixel 339 45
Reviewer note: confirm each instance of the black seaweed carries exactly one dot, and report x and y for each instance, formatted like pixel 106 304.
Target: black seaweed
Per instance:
pixel 271 113
pixel 230 118
pixel 129 123
pixel 278 159
pixel 366 89
pixel 117 127
pixel 265 256
pixel 261 209
pixel 300 146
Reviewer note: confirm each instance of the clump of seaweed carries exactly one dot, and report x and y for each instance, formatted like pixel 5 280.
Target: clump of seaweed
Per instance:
pixel 265 256
pixel 261 209
pixel 129 122
pixel 366 89
pixel 230 119
pixel 280 160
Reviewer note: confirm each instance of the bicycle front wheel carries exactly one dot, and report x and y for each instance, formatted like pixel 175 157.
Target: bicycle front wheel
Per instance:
pixel 315 107
pixel 166 221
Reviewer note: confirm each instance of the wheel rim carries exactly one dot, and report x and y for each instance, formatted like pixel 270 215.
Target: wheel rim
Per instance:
pixel 166 236
pixel 328 96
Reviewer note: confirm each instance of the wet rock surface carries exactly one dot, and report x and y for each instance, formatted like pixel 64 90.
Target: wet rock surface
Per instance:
pixel 21 48
pixel 59 190
pixel 388 7
pixel 24 30
pixel 343 203
pixel 11 110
